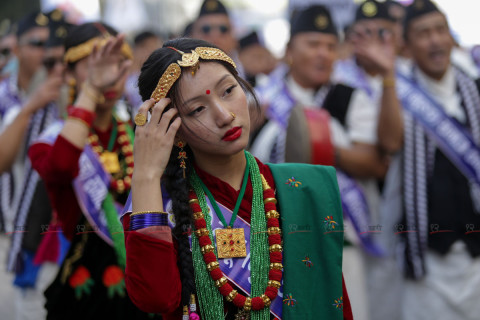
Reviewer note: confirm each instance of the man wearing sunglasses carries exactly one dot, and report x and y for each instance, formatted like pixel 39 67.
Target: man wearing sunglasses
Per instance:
pixel 213 25
pixel 26 108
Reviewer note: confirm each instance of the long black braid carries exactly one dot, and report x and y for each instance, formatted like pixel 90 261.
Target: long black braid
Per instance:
pixel 178 189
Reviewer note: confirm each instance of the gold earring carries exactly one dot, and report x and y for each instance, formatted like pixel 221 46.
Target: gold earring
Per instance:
pixel 182 155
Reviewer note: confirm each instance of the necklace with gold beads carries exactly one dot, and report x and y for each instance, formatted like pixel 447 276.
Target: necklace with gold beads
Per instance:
pixel 272 246
pixel 121 181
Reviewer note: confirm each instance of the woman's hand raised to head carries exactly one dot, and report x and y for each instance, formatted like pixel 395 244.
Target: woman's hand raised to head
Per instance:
pixel 154 140
pixel 106 64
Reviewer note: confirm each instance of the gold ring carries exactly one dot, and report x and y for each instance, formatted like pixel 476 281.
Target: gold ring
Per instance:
pixel 233 115
pixel 140 119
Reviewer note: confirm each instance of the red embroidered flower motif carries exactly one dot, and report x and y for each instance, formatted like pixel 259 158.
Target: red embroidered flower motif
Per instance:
pixel 329 223
pixel 307 261
pixel 289 301
pixel 81 281
pixel 113 279
pixel 339 303
pixel 293 183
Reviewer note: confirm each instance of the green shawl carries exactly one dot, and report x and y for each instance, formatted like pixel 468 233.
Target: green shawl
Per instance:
pixel 312 229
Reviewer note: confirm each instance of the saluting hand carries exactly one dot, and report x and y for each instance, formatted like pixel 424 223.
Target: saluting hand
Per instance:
pixel 106 64
pixel 376 46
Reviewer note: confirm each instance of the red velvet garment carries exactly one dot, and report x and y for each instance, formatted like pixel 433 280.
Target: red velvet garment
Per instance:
pixel 58 166
pixel 152 277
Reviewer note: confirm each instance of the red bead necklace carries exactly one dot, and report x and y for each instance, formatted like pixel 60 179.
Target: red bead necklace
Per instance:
pixel 274 241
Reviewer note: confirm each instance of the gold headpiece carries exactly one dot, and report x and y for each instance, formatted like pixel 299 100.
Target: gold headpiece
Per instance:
pixel 85 49
pixel 174 71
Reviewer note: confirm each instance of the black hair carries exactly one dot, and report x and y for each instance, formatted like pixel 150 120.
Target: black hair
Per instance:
pixel 176 185
pixel 84 32
pixel 144 35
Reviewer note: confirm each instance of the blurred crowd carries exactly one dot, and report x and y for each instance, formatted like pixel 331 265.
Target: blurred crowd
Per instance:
pixel 391 101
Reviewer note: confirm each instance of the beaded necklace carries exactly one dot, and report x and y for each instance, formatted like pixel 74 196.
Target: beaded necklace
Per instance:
pixel 264 252
pixel 109 159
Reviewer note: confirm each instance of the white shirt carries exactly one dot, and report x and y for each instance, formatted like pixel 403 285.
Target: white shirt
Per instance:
pixel 444 92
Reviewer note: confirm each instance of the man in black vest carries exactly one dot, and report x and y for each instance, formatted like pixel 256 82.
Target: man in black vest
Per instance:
pixel 440 219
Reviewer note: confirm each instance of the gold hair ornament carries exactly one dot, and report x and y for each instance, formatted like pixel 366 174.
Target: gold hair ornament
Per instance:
pixel 189 60
pixel 83 50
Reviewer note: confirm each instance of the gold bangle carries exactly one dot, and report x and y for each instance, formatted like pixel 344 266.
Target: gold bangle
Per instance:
pixel 144 212
pixel 80 121
pixel 98 97
pixel 389 82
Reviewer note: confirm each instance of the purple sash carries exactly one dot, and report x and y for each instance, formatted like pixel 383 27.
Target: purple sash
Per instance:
pixel 90 186
pixel 454 141
pixel 281 107
pixel 355 208
pixel 234 269
pixel 349 73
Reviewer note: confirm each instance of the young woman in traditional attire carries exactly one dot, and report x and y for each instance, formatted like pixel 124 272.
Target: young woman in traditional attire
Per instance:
pixel 205 235
pixel 86 162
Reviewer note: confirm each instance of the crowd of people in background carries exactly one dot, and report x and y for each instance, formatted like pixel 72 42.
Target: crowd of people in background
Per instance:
pixel 391 101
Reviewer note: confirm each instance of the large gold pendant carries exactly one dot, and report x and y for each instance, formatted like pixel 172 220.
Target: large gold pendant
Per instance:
pixel 110 161
pixel 231 243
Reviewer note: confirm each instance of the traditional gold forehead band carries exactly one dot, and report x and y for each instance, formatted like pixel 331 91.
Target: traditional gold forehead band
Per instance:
pixel 83 50
pixel 174 71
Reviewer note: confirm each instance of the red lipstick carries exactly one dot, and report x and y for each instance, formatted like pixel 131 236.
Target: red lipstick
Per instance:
pixel 232 134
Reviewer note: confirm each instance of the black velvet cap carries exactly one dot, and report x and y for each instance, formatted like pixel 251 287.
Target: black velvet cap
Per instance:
pixel 315 18
pixel 58 28
pixel 249 39
pixel 417 9
pixel 392 3
pixel 212 7
pixel 372 9
pixel 58 34
pixel 30 21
